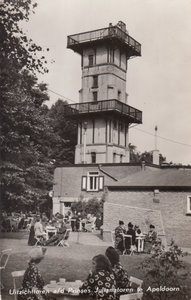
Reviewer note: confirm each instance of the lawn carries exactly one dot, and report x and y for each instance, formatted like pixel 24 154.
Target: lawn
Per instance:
pixel 72 263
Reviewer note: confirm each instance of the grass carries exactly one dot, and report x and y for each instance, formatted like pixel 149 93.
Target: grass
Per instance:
pixel 72 263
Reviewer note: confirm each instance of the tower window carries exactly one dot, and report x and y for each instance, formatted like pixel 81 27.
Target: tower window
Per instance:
pixel 93 157
pixel 114 124
pixel 188 204
pixel 91 60
pixel 94 96
pixel 121 127
pixel 95 81
pixel 119 95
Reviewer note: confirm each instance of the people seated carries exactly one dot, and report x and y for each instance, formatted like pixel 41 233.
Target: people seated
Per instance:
pixel 101 283
pixel 32 286
pixel 119 231
pixel 38 229
pixel 121 276
pixel 60 235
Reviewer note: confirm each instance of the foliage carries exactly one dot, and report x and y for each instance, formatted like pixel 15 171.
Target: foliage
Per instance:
pixel 146 156
pixel 26 135
pixel 92 206
pixel 26 140
pixel 165 274
pixel 66 129
pixel 17 50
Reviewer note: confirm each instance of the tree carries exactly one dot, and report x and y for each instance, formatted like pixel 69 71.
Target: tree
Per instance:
pixel 146 156
pixel 26 135
pixel 17 50
pixel 26 145
pixel 66 130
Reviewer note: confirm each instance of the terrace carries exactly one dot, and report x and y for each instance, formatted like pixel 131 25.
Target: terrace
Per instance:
pixel 131 114
pixel 111 33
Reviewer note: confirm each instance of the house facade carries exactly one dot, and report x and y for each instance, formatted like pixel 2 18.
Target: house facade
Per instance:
pixel 134 193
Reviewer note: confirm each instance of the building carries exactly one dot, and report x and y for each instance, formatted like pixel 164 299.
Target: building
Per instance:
pixel 140 193
pixel 102 113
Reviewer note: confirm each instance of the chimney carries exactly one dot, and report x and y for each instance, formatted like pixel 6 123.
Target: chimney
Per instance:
pixel 156 152
pixel 155 157
pixel 143 165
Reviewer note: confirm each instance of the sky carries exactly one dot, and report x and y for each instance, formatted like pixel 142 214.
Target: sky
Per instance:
pixel 158 82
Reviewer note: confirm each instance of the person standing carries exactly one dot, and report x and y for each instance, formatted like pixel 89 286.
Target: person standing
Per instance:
pixel 32 240
pixel 119 231
pixel 130 241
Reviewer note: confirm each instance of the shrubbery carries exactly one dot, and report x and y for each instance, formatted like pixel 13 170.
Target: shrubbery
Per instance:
pixel 166 276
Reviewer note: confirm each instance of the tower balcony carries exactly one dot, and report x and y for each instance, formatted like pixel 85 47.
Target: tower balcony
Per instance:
pixel 110 34
pixel 104 107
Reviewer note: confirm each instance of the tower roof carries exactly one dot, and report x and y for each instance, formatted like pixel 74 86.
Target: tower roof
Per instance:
pixel 116 34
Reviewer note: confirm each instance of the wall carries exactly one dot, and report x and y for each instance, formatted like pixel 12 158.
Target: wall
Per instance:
pixel 139 208
pixel 104 149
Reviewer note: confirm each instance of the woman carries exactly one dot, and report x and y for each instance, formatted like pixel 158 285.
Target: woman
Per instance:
pixel 32 240
pixel 32 286
pixel 150 239
pixel 119 231
pixel 121 276
pixel 100 284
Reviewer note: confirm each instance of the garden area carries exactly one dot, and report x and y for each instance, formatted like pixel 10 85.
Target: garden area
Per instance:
pixel 74 262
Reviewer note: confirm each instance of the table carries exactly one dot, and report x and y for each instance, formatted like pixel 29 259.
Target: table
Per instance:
pixel 65 291
pixel 140 246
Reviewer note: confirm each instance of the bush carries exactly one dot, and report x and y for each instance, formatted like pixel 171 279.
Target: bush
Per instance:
pixel 166 276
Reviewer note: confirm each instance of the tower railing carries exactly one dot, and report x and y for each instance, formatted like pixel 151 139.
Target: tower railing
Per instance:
pixel 103 106
pixel 108 32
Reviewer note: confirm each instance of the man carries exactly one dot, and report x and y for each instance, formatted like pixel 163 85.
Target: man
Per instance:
pixel 119 231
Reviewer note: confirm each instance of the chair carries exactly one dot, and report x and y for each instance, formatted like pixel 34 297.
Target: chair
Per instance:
pixel 131 249
pixel 16 274
pixel 137 281
pixel 3 261
pixel 133 296
pixel 63 242
pixel 113 238
pixel 39 240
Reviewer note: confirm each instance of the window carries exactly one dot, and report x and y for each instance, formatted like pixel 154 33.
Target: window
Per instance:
pixel 121 158
pixel 93 157
pixel 114 157
pixel 91 60
pixel 114 124
pixel 93 182
pixel 67 204
pixel 119 95
pixel 95 81
pixel 189 205
pixel 121 127
pixel 94 96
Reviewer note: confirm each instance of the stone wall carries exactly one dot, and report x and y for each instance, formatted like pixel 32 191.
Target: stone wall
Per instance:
pixel 166 210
